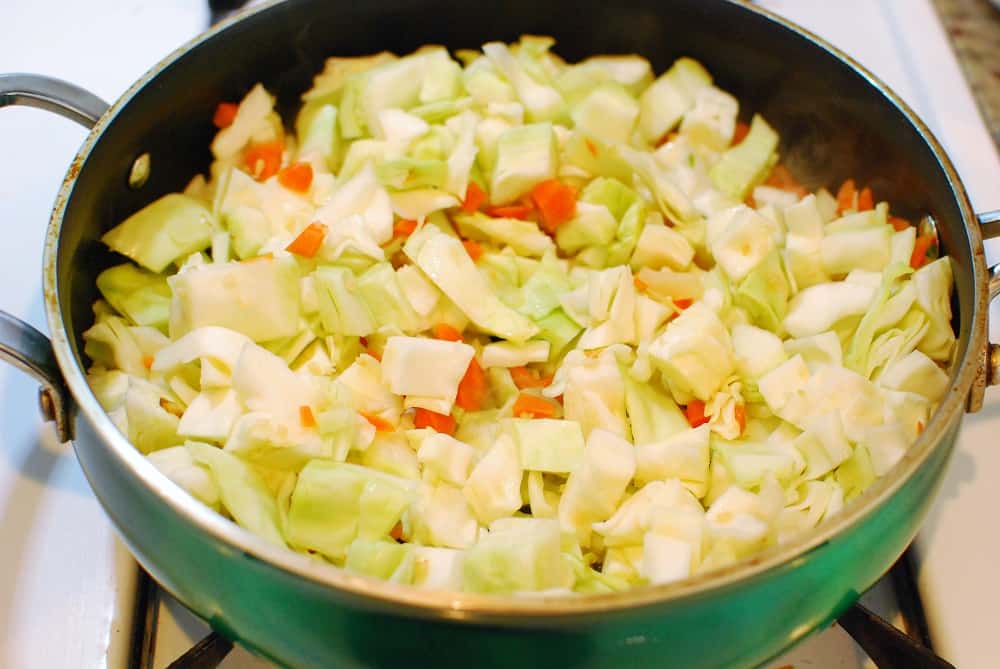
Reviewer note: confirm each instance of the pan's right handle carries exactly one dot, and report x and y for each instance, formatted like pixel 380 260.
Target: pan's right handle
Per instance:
pixel 20 344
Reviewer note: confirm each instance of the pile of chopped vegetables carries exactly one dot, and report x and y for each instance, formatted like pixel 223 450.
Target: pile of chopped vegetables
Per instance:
pixel 504 324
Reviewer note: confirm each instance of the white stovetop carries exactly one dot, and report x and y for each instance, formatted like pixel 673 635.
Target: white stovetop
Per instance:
pixel 57 552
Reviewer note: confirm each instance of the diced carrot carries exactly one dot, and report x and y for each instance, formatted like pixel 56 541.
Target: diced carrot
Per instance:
pixel 373 353
pixel 898 223
pixel 847 196
pixel 309 241
pixel 740 413
pixel 147 361
pixel 525 377
pixel 447 332
pixel 263 160
pixel 380 424
pixel 695 411
pixel 306 416
pixel 474 250
pixel 404 227
pixel 683 303
pixel 397 532
pixel 474 198
pixel 639 284
pixel 224 114
pixel 518 211
pixel 591 147
pixel 781 178
pixel 556 203
pixel 363 341
pixel 742 130
pixel 436 421
pixel 866 201
pixel 297 177
pixel 920 248
pixel 171 407
pixel 533 407
pixel 920 427
pixel 472 389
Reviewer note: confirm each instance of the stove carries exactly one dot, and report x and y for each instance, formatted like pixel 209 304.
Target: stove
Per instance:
pixel 70 595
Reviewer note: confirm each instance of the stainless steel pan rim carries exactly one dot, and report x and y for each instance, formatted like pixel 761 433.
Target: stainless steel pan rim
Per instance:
pixel 969 374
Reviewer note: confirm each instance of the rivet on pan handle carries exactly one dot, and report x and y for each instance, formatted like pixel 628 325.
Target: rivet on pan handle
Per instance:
pixel 20 344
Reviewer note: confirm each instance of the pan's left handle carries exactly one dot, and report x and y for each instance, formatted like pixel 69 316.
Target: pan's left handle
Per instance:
pixel 20 344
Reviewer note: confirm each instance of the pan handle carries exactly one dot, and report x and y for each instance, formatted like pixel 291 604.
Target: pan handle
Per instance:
pixel 20 344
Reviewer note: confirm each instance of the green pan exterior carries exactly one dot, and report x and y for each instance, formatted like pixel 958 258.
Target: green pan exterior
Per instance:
pixel 302 624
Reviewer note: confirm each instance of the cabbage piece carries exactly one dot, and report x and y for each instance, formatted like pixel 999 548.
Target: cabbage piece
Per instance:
pixel 665 559
pixel 593 391
pixel 856 473
pixel 596 485
pixel 903 242
pixel 169 228
pixel 887 444
pixel 933 283
pixel 264 383
pixel 254 121
pixel 259 299
pixel 143 297
pixel 334 503
pixel 242 491
pixel 541 102
pixel 745 165
pixel 543 499
pixel 382 559
pixel 328 85
pixel 711 122
pixel 749 464
pixel 444 260
pixel 150 426
pixel 683 456
pixel 369 392
pixel 519 557
pixel 363 197
pixel 592 225
pixel 493 489
pixel 546 444
pixel 389 452
pixel 782 388
pixel 111 343
pixel 816 350
pixel 539 295
pixel 440 516
pixel 108 386
pixel 177 465
pixel 739 518
pixel 524 237
pixel 526 155
pixel 611 295
pixel 891 303
pixel 380 289
pixel 916 373
pixel 445 458
pixel 640 512
pixel 505 354
pixel 756 351
pixel 319 141
pixel 856 398
pixel 261 439
pixel 764 293
pixel 740 239
pixel 653 415
pixel 823 444
pixel 422 295
pixel 425 368
pixel 342 305
pixel 668 98
pixel 463 155
pixel 559 330
pixel 220 345
pixel 818 308
pixel 437 568
pixel 867 247
pixel 650 315
pixel 608 112
pixel 818 500
pixel 660 246
pixel 631 71
pixel 210 415
pixel 694 353
pixel 410 173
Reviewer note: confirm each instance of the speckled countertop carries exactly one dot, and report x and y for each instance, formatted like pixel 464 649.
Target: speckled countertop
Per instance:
pixel 974 29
